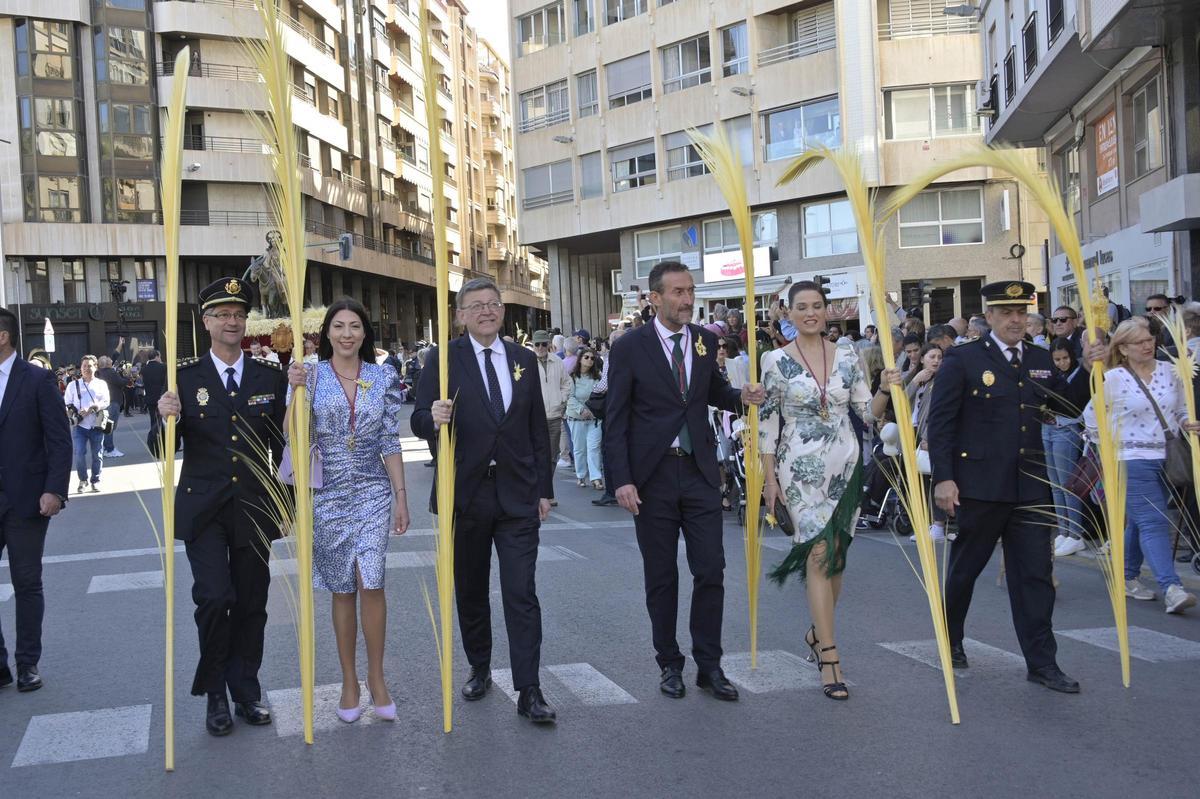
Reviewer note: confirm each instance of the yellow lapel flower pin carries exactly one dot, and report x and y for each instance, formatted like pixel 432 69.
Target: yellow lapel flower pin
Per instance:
pixel 701 350
pixel 518 370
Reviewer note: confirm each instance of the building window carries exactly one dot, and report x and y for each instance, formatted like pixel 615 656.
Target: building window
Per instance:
pixel 591 176
pixel 1147 129
pixel 683 159
pixel 617 10
pixel 633 166
pixel 59 199
pixel 541 29
pixel 125 59
pixel 585 22
pixel 544 106
pixel 587 94
pixel 37 281
pixel 74 282
pixel 628 80
pixel 686 64
pixel 735 50
pixel 55 120
pixel 50 55
pixel 720 235
pixel 651 247
pixel 125 131
pixel 1067 166
pixel 943 218
pixel 130 200
pixel 930 112
pixel 548 184
pixel 791 131
pixel 829 229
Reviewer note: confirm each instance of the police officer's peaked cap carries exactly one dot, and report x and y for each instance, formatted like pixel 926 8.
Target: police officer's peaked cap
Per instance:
pixel 226 290
pixel 1009 292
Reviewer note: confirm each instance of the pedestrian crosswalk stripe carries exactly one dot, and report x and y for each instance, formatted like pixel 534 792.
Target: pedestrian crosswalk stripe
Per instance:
pixel 982 657
pixel 133 581
pixel 85 735
pixel 6 592
pixel 590 686
pixel 288 716
pixel 80 557
pixel 1148 645
pixel 411 559
pixel 777 671
pixel 502 679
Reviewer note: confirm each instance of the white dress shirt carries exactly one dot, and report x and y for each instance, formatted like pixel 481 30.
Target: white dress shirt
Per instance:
pixel 1020 345
pixel 222 366
pixel 668 347
pixel 83 394
pixel 499 363
pixel 5 370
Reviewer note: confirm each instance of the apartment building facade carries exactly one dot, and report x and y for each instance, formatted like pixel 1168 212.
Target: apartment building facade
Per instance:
pixel 1107 87
pixel 609 183
pixel 86 82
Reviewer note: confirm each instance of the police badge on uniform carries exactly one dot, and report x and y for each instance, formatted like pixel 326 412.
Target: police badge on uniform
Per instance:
pixel 202 396
pixel 988 377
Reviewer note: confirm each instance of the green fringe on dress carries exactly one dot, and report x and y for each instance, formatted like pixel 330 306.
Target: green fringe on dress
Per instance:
pixel 836 536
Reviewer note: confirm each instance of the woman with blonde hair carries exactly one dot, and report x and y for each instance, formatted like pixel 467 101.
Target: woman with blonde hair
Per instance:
pixel 1146 404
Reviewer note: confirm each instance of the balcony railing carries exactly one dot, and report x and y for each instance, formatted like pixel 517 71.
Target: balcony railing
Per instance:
pixel 1054 18
pixel 247 4
pixel 924 18
pixel 307 35
pixel 351 182
pixel 305 94
pixel 206 70
pixel 1010 75
pixel 225 144
pixel 554 198
pixel 1029 44
pixel 797 49
pixel 226 218
pixel 545 120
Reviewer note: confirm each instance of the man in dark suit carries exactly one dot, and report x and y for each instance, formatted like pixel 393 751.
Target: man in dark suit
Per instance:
pixel 989 469
pixel 502 488
pixel 230 411
pixel 35 470
pixel 662 453
pixel 154 379
pixel 116 395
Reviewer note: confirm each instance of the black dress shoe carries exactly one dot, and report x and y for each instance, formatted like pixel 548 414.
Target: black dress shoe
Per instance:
pixel 218 722
pixel 672 683
pixel 716 684
pixel 607 499
pixel 958 657
pixel 532 705
pixel 478 683
pixel 28 679
pixel 256 714
pixel 6 677
pixel 1053 678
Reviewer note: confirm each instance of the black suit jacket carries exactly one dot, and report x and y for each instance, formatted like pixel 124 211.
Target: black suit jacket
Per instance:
pixel 985 420
pixel 154 379
pixel 231 442
pixel 116 388
pixel 645 411
pixel 519 443
pixel 35 439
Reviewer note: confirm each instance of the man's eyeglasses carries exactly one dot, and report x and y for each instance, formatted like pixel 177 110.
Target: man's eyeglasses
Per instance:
pixel 225 316
pixel 541 344
pixel 1062 320
pixel 480 307
pixel 1156 308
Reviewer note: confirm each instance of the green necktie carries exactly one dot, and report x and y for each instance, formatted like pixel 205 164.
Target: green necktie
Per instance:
pixel 677 358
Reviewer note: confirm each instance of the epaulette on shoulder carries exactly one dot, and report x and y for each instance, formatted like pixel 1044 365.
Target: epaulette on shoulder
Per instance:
pixel 184 363
pixel 973 342
pixel 266 362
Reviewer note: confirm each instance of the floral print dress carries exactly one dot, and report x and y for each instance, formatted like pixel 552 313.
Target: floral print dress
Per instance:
pixel 817 460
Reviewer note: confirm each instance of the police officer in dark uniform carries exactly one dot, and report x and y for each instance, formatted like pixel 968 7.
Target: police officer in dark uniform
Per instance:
pixel 985 448
pixel 230 409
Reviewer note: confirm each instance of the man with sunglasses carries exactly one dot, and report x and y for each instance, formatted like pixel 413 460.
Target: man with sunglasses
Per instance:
pixel 1158 305
pixel 556 388
pixel 1064 323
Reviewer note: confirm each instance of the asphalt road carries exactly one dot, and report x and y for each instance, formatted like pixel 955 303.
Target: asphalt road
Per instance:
pixel 96 729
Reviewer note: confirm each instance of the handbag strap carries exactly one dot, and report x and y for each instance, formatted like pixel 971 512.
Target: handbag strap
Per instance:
pixel 1153 404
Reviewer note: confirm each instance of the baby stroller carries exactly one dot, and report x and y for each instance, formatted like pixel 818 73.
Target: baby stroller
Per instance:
pixel 881 503
pixel 731 453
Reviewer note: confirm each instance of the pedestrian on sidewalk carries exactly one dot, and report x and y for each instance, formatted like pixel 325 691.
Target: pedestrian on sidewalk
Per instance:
pixel 662 454
pixel 154 378
pixel 35 472
pixel 556 388
pixel 230 410
pixel 585 427
pixel 87 404
pixel 502 489
pixel 116 386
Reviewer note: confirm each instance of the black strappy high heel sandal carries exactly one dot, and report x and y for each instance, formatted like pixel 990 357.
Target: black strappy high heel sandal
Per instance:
pixel 810 638
pixel 833 690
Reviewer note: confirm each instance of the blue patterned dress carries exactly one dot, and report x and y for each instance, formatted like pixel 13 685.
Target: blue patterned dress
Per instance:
pixel 352 512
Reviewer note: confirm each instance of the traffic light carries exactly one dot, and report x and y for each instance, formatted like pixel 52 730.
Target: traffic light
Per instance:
pixel 823 284
pixel 912 295
pixel 345 246
pixel 925 287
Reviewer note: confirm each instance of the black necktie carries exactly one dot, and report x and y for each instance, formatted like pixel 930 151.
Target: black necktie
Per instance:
pixel 496 399
pixel 1013 357
pixel 678 359
pixel 230 384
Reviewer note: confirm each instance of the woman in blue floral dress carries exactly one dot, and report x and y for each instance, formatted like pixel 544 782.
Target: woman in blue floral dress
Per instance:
pixel 812 462
pixel 355 417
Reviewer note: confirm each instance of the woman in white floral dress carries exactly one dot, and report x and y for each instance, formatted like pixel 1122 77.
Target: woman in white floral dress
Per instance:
pixel 812 463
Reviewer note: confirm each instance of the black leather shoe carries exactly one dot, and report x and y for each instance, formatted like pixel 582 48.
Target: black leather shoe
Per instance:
pixel 6 677
pixel 478 683
pixel 28 679
pixel 218 722
pixel 532 705
pixel 604 500
pixel 1053 678
pixel 716 684
pixel 672 683
pixel 958 657
pixel 256 714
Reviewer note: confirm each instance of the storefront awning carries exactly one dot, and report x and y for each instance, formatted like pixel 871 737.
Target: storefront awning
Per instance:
pixel 732 289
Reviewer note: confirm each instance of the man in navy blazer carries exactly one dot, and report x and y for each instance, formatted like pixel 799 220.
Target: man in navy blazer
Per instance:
pixel 663 458
pixel 502 488
pixel 35 469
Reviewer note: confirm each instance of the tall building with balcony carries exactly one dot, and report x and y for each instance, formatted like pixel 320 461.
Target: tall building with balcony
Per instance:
pixel 1110 89
pixel 609 183
pixel 86 83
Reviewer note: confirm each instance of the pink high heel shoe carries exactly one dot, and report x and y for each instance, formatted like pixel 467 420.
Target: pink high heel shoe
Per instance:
pixel 385 712
pixel 353 714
